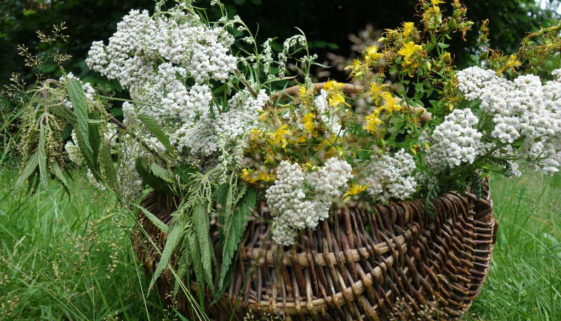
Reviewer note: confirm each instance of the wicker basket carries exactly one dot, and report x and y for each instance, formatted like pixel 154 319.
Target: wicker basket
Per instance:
pixel 392 262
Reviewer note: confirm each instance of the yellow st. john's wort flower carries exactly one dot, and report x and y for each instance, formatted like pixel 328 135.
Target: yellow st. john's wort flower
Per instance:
pixel 376 89
pixel 263 116
pixel 278 137
pixel 371 54
pixel 408 51
pixel 390 103
pixel 251 176
pixel 436 2
pixel 308 122
pixel 511 64
pixel 355 189
pixel 408 28
pixel 372 122
pixel 336 98
pixel 357 68
pixel 333 85
pixel 254 134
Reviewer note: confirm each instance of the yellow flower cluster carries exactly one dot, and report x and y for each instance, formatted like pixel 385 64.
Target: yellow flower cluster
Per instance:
pixel 253 177
pixel 360 66
pixel 390 106
pixel 296 132
pixel 408 28
pixel 355 189
pixel 336 97
pixel 408 52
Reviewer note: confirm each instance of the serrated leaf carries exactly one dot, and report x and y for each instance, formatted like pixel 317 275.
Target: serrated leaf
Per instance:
pixel 160 171
pixel 109 171
pixel 201 224
pixel 156 130
pixel 185 173
pixel 94 136
pixel 183 266
pixel 172 241
pixel 148 177
pixel 80 105
pixel 197 264
pixel 156 221
pixel 42 157
pixel 63 113
pixel 29 169
pixel 234 231
pixel 222 193
pixel 60 176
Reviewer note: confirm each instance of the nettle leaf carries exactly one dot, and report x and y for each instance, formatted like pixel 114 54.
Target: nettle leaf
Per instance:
pixel 160 172
pixel 233 231
pixel 94 134
pixel 173 239
pixel 184 266
pixel 156 130
pixel 197 264
pixel 201 223
pixel 82 128
pixel 63 113
pixel 185 172
pixel 60 176
pixel 42 157
pixel 29 169
pixel 156 221
pixel 109 171
pixel 145 172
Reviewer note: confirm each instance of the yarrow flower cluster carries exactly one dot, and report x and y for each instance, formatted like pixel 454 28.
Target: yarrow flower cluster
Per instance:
pixel 391 176
pixel 524 112
pixel 300 200
pixel 154 56
pixel 455 141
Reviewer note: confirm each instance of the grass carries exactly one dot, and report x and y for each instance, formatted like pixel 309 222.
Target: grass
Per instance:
pixel 525 279
pixel 71 259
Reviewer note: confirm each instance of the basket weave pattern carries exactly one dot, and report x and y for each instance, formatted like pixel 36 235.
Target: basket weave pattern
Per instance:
pixel 389 262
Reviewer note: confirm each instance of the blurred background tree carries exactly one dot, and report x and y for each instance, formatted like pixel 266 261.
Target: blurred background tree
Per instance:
pixel 327 24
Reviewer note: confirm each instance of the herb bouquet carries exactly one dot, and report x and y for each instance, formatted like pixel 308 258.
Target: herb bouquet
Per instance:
pixel 327 201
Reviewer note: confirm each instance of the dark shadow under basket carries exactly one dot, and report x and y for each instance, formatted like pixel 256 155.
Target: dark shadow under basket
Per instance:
pixel 391 262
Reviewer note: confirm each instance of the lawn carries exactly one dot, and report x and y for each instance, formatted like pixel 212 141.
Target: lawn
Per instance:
pixel 71 259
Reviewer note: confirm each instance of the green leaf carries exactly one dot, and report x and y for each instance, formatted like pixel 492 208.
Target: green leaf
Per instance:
pixel 156 221
pixel 173 239
pixel 160 172
pixel 42 157
pixel 197 264
pixel 185 173
pixel 29 169
pixel 234 229
pixel 148 177
pixel 222 195
pixel 109 171
pixel 94 122
pixel 184 265
pixel 60 176
pixel 156 130
pixel 201 223
pixel 80 104
pixel 63 113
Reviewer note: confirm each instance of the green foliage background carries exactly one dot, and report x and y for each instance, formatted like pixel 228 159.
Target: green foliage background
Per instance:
pixel 326 23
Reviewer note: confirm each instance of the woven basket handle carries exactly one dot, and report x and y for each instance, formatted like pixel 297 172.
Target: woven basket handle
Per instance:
pixel 348 89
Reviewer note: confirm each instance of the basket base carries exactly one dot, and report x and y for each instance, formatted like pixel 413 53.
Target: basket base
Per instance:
pixel 393 262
